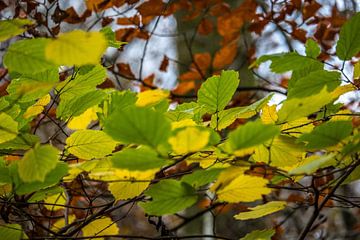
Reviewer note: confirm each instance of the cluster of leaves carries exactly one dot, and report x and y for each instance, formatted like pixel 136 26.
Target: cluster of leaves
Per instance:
pixel 139 150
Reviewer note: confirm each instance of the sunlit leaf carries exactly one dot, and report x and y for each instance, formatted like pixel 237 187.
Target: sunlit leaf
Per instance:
pixel 190 139
pixel 99 227
pixel 261 210
pixel 13 27
pixel 349 39
pixel 150 97
pixel 8 128
pixel 216 92
pixel 88 144
pixel 76 48
pixel 38 107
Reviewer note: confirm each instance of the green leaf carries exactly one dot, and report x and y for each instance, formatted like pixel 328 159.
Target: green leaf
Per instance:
pixel 313 83
pixel 202 177
pixel 29 87
pixel 216 92
pixel 139 126
pixel 23 142
pixel 226 117
pixel 312 49
pixel 250 135
pixel 52 178
pixel 138 159
pixel 184 111
pixel 27 56
pixel 111 37
pixel 303 72
pixel 81 84
pixel 312 164
pixel 76 106
pixel 259 235
pixel 88 144
pixel 8 128
pixel 261 210
pixel 284 62
pixel 296 108
pixel 13 27
pixel 37 163
pixel 122 100
pixel 168 197
pixel 327 134
pixel 76 48
pixel 349 39
pixel 11 232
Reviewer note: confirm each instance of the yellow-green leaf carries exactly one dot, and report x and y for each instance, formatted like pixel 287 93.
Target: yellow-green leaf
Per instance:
pixel 8 128
pixel 13 27
pixel 190 139
pixel 150 97
pixel 38 107
pixel 76 48
pixel 261 210
pixel 88 144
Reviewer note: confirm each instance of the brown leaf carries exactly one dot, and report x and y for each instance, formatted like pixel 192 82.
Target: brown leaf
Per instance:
pixel 73 17
pixel 225 56
pixel 205 27
pixel 151 8
pixel 310 9
pixel 106 21
pixel 125 70
pixel 148 83
pixel 135 20
pixel 100 5
pixel 220 9
pixel 299 34
pixel 164 64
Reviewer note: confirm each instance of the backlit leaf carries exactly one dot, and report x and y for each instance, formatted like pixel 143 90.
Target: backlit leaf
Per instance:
pixel 216 92
pixel 99 227
pixel 261 210
pixel 88 144
pixel 150 97
pixel 327 134
pixel 8 128
pixel 137 159
pixel 27 56
pixel 11 232
pixel 139 126
pixel 349 39
pixel 168 197
pixel 13 27
pixel 76 48
pixel 259 235
pixel 190 139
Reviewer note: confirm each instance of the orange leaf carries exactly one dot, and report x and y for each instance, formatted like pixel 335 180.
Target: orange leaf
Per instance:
pixel 125 70
pixel 184 87
pixel 205 27
pixel 225 56
pixel 203 61
pixel 135 20
pixel 151 8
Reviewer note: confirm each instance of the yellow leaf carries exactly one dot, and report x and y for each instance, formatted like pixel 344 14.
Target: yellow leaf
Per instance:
pixel 261 210
pixel 190 139
pixel 55 199
pixel 100 227
pixel 261 154
pixel 343 117
pixel 61 222
pixel 38 107
pixel 298 127
pixel 83 120
pixel 151 97
pixel 76 48
pixel 342 89
pixel 208 158
pixel 233 186
pixel 127 190
pixel 285 152
pixel 269 114
pixel 183 123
